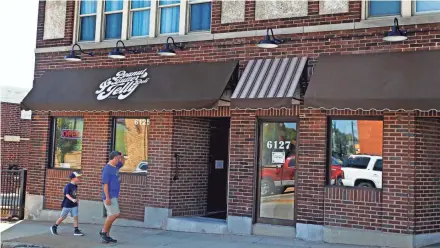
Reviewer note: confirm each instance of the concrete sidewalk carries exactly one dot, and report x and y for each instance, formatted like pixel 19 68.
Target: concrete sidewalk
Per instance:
pixel 38 234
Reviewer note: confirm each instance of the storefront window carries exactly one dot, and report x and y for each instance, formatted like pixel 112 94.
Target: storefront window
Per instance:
pixel 277 170
pixel 131 139
pixel 68 142
pixel 356 153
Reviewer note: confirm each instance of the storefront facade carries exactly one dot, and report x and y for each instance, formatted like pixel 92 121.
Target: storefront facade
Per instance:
pixel 332 136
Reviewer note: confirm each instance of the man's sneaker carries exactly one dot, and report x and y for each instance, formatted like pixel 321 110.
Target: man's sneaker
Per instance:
pixel 77 232
pixel 104 236
pixel 53 230
pixel 111 240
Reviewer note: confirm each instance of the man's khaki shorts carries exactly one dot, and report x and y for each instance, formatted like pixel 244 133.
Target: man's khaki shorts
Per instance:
pixel 113 208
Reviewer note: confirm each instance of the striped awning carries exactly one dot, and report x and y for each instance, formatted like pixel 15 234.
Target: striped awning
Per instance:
pixel 269 83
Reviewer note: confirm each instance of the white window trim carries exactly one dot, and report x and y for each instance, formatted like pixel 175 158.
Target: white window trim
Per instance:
pixel 188 17
pixel 414 10
pixel 154 32
pixel 408 9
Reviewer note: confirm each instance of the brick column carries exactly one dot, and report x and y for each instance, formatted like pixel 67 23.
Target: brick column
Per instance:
pixel 311 165
pixel 242 167
pixel 39 152
pixel 398 173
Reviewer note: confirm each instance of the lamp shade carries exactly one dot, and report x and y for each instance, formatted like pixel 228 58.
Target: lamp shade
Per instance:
pixel 267 43
pixel 116 54
pixel 166 51
pixel 72 57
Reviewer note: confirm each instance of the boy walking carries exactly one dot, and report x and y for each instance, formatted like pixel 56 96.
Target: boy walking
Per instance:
pixel 70 204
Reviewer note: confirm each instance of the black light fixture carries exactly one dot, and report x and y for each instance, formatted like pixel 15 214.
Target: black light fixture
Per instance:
pixel 72 56
pixel 269 41
pixel 116 53
pixel 168 50
pixel 396 33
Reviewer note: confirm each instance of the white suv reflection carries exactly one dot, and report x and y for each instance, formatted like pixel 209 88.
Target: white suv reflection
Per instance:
pixel 363 171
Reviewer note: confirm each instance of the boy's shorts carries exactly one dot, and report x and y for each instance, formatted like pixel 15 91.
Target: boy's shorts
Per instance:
pixel 73 212
pixel 113 208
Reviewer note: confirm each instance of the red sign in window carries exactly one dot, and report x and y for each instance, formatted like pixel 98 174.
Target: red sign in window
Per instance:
pixel 70 134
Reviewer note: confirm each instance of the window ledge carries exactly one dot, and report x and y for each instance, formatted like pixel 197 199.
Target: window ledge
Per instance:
pixel 369 23
pixel 388 21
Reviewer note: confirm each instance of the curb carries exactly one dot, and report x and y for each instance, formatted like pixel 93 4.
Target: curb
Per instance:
pixel 21 245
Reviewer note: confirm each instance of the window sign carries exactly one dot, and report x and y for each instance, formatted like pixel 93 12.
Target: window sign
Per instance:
pixel 131 139
pixel 68 142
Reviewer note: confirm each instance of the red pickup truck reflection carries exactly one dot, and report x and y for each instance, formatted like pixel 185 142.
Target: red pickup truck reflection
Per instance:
pixel 276 179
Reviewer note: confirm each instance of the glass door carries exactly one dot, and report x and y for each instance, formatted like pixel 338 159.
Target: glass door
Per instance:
pixel 277 157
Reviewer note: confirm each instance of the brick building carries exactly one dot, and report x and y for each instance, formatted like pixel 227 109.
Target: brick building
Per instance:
pixel 15 128
pixel 278 139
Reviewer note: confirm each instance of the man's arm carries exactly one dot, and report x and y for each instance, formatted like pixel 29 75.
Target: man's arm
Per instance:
pixel 107 195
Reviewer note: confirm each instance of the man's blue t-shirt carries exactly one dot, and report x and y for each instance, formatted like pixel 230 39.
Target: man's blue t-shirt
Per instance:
pixel 110 176
pixel 70 189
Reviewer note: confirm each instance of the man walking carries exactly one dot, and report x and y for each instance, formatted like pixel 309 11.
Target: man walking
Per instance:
pixel 110 192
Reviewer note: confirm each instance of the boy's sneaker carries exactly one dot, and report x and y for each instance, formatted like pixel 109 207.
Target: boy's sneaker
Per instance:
pixel 53 230
pixel 78 232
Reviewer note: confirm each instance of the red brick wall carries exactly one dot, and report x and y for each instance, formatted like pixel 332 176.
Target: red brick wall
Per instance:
pixel 191 140
pixel 313 18
pixel 389 210
pixel 68 31
pixel 12 124
pixel 427 186
pixel 242 163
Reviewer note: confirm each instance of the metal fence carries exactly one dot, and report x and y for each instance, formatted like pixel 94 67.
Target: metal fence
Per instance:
pixel 13 193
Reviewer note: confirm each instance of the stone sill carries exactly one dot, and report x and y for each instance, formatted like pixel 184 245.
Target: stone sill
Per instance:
pixel 369 23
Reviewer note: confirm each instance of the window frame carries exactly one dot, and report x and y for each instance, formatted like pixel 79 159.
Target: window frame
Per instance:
pixel 368 16
pixel 415 13
pixel 130 20
pixel 159 15
pixel 105 13
pixel 52 141
pixel 78 17
pixel 188 17
pixel 330 119
pixel 113 137
pixel 126 33
pixel 257 171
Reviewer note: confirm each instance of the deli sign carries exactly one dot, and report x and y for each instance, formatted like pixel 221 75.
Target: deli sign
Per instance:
pixel 122 84
pixel 71 134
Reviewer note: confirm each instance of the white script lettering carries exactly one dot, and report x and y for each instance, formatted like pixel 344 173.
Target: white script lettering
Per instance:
pixel 122 84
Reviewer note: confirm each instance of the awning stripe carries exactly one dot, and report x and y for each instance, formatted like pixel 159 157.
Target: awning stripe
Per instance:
pixel 270 78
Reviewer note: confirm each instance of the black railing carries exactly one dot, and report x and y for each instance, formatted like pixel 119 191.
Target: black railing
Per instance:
pixel 13 193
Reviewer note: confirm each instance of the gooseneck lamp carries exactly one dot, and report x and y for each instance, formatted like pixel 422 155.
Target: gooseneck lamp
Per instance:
pixel 168 49
pixel 117 52
pixel 269 41
pixel 396 33
pixel 73 57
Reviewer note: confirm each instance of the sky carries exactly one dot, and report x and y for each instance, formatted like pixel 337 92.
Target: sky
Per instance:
pixel 17 42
